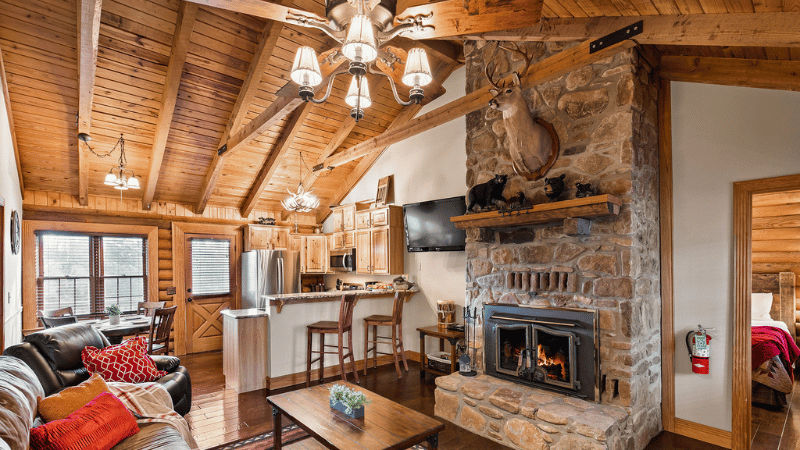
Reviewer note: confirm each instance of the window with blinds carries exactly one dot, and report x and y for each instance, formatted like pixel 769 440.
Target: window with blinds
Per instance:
pixel 90 272
pixel 211 266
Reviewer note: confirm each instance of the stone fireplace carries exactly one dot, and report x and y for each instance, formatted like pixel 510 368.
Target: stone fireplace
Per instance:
pixel 549 348
pixel 605 117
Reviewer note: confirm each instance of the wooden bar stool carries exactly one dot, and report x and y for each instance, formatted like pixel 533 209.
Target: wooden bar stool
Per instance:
pixel 396 340
pixel 344 325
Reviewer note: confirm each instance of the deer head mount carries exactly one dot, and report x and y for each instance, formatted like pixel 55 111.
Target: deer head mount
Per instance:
pixel 533 143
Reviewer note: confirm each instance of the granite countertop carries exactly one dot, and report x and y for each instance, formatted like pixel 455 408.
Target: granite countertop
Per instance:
pixel 331 294
pixel 245 313
pixel 281 300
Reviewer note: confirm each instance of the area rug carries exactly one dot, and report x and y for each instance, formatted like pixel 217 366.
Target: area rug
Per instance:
pixel 289 433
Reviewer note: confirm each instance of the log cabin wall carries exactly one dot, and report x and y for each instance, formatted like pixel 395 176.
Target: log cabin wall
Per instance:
pixel 776 234
pixel 58 206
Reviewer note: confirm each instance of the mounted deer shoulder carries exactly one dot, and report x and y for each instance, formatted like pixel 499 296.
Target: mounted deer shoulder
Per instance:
pixel 533 143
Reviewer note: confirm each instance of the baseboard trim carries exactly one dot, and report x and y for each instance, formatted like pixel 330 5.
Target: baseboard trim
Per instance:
pixel 294 379
pixel 703 433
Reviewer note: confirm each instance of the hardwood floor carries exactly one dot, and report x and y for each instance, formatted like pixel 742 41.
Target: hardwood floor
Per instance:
pixel 220 415
pixel 778 430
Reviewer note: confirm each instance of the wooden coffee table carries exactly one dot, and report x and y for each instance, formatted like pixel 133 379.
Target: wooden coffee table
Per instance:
pixel 386 425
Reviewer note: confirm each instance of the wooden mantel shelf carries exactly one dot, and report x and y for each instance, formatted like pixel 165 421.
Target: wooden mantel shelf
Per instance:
pixel 589 207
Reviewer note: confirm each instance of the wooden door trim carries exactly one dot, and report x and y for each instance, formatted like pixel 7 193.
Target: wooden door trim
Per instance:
pixel 29 229
pixel 742 235
pixel 179 231
pixel 665 206
pixel 2 266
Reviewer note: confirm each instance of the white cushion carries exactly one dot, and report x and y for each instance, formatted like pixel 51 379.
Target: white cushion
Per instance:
pixel 760 306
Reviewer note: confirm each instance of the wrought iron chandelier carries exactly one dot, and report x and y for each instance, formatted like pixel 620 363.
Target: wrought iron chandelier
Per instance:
pixel 362 27
pixel 119 177
pixel 302 200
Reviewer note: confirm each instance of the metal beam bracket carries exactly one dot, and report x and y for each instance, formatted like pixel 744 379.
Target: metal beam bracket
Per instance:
pixel 222 150
pixel 318 167
pixel 616 37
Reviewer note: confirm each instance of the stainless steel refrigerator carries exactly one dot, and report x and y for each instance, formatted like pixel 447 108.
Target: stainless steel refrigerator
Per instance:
pixel 266 272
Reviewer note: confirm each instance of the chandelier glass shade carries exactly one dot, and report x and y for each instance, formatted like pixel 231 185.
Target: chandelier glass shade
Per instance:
pixel 358 97
pixel 360 45
pixel 302 200
pixel 362 28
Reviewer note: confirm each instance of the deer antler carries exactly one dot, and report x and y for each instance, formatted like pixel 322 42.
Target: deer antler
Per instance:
pixel 525 56
pixel 490 73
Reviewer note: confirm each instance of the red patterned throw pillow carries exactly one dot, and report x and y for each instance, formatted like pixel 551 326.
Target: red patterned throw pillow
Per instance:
pixel 127 362
pixel 99 425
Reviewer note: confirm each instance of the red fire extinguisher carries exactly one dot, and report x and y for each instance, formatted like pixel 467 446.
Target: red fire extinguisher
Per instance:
pixel 698 344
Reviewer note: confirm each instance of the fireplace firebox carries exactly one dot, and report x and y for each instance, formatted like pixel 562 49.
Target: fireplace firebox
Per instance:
pixel 551 348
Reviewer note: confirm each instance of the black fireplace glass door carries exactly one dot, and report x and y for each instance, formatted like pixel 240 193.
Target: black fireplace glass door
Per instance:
pixel 511 341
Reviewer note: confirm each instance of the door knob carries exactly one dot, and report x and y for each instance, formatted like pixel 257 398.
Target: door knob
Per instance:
pixel 189 290
pixel 189 299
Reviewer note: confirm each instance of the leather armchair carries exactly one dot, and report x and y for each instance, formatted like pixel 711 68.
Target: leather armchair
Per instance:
pixel 54 355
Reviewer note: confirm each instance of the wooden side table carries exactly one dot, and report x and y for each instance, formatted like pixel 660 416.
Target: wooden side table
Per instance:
pixel 452 337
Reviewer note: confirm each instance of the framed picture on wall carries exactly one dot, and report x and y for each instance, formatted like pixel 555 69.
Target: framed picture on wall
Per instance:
pixel 385 191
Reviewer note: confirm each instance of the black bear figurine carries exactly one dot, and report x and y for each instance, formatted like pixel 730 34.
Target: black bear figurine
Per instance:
pixel 553 187
pixel 517 201
pixel 584 190
pixel 487 194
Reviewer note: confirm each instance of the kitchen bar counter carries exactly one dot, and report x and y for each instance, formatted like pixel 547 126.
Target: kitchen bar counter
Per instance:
pixel 281 300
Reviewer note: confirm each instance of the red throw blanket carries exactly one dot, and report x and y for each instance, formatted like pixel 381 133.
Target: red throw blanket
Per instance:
pixel 769 342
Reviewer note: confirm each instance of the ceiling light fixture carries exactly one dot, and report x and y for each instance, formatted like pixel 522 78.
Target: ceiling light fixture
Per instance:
pixel 362 27
pixel 302 200
pixel 119 177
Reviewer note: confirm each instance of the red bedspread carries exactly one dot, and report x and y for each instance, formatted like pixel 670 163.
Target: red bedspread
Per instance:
pixel 769 342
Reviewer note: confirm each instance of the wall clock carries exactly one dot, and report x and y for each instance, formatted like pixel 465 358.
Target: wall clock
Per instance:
pixel 14 232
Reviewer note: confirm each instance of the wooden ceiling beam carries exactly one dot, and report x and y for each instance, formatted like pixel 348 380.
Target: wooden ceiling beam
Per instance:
pixel 541 72
pixel 4 83
pixel 441 50
pixel 774 29
pixel 757 73
pixel 88 37
pixel 269 39
pixel 180 48
pixel 279 150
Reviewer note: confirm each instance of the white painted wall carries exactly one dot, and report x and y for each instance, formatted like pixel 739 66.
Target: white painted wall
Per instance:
pixel 720 135
pixel 429 166
pixel 12 264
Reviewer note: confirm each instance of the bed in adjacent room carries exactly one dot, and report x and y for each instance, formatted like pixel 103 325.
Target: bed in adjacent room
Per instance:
pixel 773 335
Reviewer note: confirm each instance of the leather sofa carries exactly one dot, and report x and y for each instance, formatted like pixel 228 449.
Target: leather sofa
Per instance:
pixel 19 390
pixel 54 354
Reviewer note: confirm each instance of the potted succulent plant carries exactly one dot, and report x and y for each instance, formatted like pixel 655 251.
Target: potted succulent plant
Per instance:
pixel 348 401
pixel 113 314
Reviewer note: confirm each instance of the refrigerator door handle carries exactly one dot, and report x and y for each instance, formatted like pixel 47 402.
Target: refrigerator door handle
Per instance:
pixel 280 276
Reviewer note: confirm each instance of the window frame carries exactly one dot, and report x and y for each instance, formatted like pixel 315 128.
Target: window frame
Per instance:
pixel 96 277
pixel 31 227
pixel 231 263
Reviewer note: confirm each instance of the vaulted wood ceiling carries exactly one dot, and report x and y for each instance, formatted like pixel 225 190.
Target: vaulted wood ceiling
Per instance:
pixel 179 80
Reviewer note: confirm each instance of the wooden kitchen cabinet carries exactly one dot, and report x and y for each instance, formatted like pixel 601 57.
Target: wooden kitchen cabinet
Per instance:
pixel 337 241
pixel 349 239
pixel 314 254
pixel 296 242
pixel 266 237
pixel 349 218
pixel 344 218
pixel 380 249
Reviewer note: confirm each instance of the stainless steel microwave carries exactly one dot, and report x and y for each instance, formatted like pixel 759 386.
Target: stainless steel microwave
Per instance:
pixel 343 260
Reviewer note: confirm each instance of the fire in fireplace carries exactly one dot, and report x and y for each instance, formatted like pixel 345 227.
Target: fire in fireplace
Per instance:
pixel 553 348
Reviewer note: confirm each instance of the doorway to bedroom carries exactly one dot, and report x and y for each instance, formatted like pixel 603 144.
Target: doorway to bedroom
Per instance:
pixel 775 278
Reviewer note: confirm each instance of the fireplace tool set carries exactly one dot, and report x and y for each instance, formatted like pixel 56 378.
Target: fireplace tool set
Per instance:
pixel 464 362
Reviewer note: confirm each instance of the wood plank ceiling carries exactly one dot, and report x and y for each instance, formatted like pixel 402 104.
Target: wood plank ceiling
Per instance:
pixel 143 69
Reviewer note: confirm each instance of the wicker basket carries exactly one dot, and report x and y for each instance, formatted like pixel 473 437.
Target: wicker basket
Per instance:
pixel 439 361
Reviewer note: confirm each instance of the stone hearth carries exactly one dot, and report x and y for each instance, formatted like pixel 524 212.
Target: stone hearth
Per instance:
pixel 605 115
pixel 529 418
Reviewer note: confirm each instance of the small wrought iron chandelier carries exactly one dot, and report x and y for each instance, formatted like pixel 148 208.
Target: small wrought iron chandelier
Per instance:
pixel 119 177
pixel 302 200
pixel 362 27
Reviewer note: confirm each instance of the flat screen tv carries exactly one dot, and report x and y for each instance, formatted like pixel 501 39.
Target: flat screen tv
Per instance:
pixel 428 226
